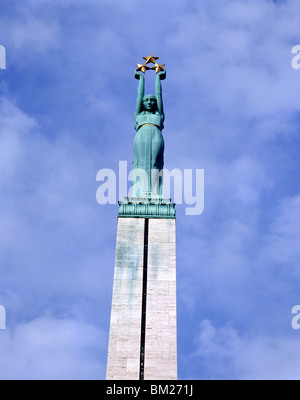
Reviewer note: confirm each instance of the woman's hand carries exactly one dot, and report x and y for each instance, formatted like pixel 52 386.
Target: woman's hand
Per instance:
pixel 162 75
pixel 138 75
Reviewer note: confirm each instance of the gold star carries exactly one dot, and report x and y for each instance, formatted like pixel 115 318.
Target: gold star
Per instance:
pixel 151 59
pixel 158 68
pixel 142 68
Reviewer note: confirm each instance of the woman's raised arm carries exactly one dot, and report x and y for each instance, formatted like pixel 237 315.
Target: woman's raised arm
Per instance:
pixel 158 93
pixel 140 94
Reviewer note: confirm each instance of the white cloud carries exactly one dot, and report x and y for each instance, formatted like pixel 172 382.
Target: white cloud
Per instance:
pixel 282 243
pixel 33 34
pixel 26 35
pixel 230 94
pixel 49 213
pixel 227 354
pixel 14 128
pixel 237 56
pixel 50 349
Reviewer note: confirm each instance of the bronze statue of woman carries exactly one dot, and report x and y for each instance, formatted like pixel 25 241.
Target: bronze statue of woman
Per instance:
pixel 149 142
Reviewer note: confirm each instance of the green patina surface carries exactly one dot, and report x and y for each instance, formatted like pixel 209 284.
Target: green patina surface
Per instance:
pixel 149 145
pixel 147 208
pixel 148 156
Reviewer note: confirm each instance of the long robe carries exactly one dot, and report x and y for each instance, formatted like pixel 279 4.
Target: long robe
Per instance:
pixel 148 149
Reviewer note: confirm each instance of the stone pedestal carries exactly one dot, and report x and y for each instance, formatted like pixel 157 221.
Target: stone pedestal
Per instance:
pixel 161 329
pixel 143 332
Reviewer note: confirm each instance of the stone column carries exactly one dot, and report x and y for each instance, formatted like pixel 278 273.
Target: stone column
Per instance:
pixel 161 321
pixel 143 331
pixel 125 327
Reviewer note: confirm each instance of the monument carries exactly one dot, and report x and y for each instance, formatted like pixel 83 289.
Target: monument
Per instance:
pixel 143 328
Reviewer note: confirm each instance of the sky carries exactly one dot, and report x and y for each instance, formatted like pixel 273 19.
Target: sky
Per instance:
pixel 67 102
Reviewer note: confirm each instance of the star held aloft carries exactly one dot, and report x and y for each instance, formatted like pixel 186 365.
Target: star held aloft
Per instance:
pixel 159 68
pixel 142 67
pixel 151 60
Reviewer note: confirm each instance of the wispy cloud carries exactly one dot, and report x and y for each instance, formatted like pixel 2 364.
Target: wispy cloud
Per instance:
pixel 49 348
pixel 66 111
pixel 227 354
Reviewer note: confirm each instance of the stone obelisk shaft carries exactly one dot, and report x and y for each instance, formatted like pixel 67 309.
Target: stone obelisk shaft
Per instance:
pixel 143 331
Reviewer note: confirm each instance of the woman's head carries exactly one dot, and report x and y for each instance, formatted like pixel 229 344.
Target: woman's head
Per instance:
pixel 150 103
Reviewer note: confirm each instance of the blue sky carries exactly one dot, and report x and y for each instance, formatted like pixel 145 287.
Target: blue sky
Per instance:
pixel 67 101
